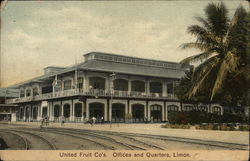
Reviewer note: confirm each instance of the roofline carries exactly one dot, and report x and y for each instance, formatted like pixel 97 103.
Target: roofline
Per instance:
pixel 97 52
pixel 71 68
pixel 54 67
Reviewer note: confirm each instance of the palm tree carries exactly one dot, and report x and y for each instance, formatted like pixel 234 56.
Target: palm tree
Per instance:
pixel 224 45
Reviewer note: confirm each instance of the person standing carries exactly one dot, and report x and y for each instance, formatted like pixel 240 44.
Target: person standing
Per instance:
pixel 62 121
pixel 101 119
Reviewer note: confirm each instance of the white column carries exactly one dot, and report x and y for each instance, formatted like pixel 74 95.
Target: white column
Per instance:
pixel 145 111
pixel 164 89
pixel 163 112
pixel 39 111
pixel 108 85
pixel 87 110
pixel 126 108
pixel 24 92
pixel 129 86
pixel 62 110
pixel 166 113
pixel 221 112
pixel 85 82
pixel 110 111
pixel 147 87
pixel 73 112
pixel 105 112
pixel 130 108
pixel 149 112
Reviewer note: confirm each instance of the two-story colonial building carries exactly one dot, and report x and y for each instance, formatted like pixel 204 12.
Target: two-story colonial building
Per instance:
pixel 105 86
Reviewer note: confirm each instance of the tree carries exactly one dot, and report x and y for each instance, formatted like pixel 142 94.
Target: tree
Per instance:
pixel 225 52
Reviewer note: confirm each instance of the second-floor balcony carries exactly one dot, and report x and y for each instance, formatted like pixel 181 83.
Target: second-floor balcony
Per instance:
pixel 91 92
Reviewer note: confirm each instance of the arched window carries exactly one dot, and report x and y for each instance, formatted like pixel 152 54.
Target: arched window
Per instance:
pixel 173 108
pixel 35 91
pixel 155 87
pixel 67 84
pixel 156 113
pixel 56 111
pixel 28 92
pixel 22 93
pixel 216 110
pixel 66 110
pixel 80 82
pixel 138 86
pixel 120 85
pixel 187 108
pixel 97 82
pixel 78 110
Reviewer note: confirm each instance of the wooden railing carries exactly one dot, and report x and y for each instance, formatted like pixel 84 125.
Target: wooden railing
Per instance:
pixel 91 92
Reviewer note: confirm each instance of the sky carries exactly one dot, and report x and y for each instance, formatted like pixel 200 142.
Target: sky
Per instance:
pixel 37 34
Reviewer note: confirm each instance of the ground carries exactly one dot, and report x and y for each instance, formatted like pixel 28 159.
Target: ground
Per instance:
pixel 78 136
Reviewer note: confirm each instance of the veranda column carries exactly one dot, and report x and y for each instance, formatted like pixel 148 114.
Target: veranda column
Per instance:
pixel 164 89
pixel 62 110
pixel 166 112
pixel 163 113
pixel 147 87
pixel 87 111
pixel 85 82
pixel 149 112
pixel 71 113
pixel 105 111
pixel 110 110
pixel 221 111
pixel 129 86
pixel 39 112
pixel 51 118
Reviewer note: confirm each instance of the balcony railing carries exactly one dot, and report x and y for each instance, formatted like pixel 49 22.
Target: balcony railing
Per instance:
pixel 91 92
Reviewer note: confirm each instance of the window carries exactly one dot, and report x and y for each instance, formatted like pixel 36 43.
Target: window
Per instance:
pixel 187 108
pixel 121 85
pixel 80 83
pixel 216 110
pixel 170 88
pixel 97 82
pixel 155 87
pixel 22 93
pixel 67 84
pixel 28 92
pixel 35 91
pixel 138 86
pixel 172 108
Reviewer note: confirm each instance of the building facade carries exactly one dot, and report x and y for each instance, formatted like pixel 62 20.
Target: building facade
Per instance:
pixel 8 111
pixel 106 86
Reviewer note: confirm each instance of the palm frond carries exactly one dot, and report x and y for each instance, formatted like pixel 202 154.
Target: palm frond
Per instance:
pixel 203 36
pixel 194 45
pixel 229 64
pixel 206 72
pixel 204 22
pixel 198 57
pixel 217 16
